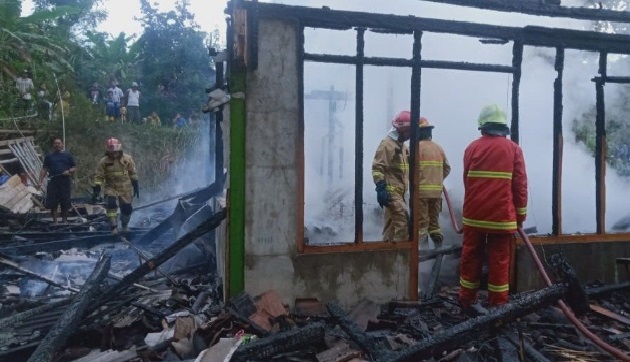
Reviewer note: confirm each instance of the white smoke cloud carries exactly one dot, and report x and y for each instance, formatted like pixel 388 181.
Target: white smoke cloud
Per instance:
pixel 451 100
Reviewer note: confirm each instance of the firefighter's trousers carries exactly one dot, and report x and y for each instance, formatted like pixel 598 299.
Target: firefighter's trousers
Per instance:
pixel 395 228
pixel 498 247
pixel 429 214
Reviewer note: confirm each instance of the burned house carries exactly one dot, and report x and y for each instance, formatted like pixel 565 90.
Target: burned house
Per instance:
pixel 265 150
pixel 254 222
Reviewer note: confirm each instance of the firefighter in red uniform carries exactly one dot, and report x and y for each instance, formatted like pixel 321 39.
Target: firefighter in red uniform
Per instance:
pixel 495 204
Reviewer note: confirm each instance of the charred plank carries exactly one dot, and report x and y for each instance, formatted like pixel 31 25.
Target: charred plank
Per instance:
pixel 150 265
pixel 65 325
pixel 292 340
pixel 480 327
pixel 367 343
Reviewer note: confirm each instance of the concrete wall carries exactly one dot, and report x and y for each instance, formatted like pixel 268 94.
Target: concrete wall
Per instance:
pixel 271 259
pixel 592 262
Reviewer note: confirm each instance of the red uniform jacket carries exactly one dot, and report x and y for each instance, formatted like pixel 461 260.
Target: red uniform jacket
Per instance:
pixel 495 185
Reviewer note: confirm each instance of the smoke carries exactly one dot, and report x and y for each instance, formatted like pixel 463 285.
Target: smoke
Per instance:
pixel 193 170
pixel 451 100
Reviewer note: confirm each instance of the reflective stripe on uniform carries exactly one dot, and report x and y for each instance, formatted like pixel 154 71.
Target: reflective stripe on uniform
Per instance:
pixel 377 174
pixel 431 187
pixel 490 174
pixel 521 210
pixel 468 284
pixel 435 231
pixel 498 288
pixel 431 163
pixel 391 188
pixel 402 166
pixel 111 213
pixel 115 173
pixel 498 225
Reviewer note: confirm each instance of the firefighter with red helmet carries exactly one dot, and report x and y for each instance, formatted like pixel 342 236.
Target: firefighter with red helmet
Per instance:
pixel 495 204
pixel 433 169
pixel 116 175
pixel 390 171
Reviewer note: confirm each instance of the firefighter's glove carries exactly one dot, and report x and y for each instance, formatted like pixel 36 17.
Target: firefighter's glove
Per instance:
pixel 382 196
pixel 96 191
pixel 136 188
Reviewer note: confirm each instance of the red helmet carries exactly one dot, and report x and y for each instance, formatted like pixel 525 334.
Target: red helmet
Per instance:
pixel 402 121
pixel 113 144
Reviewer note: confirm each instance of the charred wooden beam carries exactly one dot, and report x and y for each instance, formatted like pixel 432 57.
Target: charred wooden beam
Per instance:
pixel 67 323
pixel 607 289
pixel 264 349
pixel 401 62
pixel 539 36
pixel 391 306
pixel 147 267
pixel 434 253
pixel 556 190
pixel 517 61
pixel 16 318
pixel 167 224
pixel 600 148
pixel 82 242
pixel 367 343
pixel 549 8
pixel 433 277
pixel 480 327
pixel 258 330
pixel 532 353
pixel 576 295
pixel 612 79
pixel 16 267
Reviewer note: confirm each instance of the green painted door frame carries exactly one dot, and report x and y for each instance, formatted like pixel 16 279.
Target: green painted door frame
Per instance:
pixel 236 207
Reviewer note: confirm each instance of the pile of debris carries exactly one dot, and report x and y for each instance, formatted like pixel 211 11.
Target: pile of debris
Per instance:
pixel 187 322
pixel 17 198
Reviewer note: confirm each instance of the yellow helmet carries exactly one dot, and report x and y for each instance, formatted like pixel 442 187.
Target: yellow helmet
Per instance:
pixel 492 114
pixel 424 124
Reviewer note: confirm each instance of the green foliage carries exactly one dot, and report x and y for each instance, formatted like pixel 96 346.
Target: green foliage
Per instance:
pixel 155 150
pixel 172 83
pixel 58 45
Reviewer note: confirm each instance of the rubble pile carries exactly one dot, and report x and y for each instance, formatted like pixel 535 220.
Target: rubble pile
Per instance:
pixel 184 319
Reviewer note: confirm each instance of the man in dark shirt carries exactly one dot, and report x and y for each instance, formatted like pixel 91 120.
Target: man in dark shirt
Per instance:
pixel 59 165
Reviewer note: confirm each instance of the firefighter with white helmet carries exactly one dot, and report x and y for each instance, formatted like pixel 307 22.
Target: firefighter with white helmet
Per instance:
pixel 116 175
pixel 390 171
pixel 495 205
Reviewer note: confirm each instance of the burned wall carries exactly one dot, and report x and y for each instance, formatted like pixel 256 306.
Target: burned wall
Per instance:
pixel 592 262
pixel 272 199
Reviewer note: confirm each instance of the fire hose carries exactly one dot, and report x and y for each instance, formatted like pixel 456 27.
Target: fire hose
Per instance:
pixel 620 355
pixel 456 227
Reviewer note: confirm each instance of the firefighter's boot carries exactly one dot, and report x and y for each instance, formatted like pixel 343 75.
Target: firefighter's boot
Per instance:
pixel 437 239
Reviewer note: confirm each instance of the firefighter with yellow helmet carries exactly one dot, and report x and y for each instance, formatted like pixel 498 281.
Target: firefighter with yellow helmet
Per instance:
pixel 390 171
pixel 116 175
pixel 433 169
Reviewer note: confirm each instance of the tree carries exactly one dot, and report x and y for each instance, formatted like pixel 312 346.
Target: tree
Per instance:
pixel 173 59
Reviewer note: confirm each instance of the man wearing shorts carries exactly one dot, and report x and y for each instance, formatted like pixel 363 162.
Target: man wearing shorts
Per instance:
pixel 59 166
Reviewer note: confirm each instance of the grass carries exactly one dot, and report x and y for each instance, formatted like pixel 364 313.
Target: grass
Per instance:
pixel 155 150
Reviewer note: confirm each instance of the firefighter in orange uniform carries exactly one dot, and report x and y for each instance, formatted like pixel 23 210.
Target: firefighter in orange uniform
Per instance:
pixel 495 204
pixel 434 168
pixel 390 170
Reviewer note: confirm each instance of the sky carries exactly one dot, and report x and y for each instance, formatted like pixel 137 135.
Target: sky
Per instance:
pixel 208 14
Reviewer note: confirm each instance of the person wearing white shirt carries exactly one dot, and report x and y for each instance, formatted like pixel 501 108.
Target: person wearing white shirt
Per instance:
pixel 117 95
pixel 24 85
pixel 133 103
